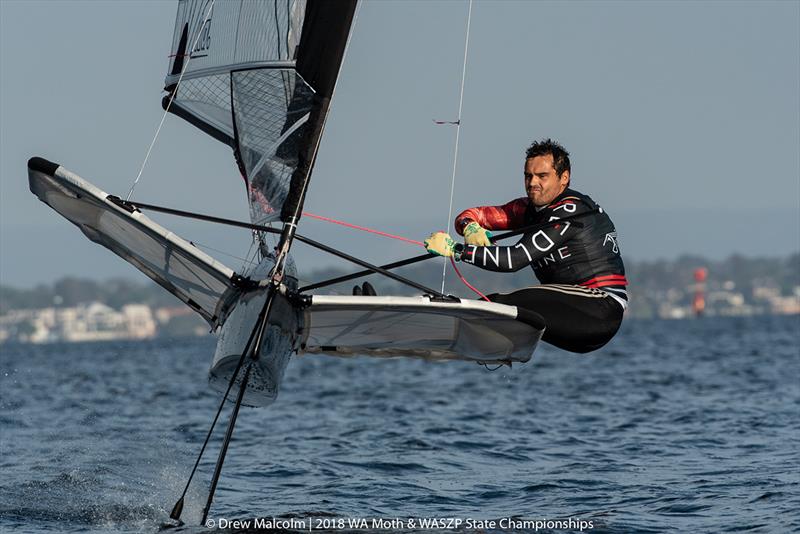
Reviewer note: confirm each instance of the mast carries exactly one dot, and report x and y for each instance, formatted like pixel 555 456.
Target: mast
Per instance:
pixel 325 32
pixel 326 28
pixel 261 80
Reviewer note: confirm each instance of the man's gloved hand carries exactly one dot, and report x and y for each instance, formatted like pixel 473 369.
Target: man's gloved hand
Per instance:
pixel 441 244
pixel 475 234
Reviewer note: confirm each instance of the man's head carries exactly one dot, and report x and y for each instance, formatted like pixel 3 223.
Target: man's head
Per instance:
pixel 547 171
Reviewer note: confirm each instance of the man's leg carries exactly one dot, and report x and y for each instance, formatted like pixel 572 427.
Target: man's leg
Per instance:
pixel 578 319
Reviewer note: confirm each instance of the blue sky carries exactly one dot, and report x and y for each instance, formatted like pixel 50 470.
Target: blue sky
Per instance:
pixel 682 118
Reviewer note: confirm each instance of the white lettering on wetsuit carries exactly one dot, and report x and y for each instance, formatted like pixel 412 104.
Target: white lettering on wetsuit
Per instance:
pixel 525 250
pixel 563 252
pixel 569 208
pixel 487 252
pixel 490 257
pixel 546 245
pixel 529 251
pixel 612 238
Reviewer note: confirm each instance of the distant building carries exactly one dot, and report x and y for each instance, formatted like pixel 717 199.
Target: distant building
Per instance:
pixel 88 322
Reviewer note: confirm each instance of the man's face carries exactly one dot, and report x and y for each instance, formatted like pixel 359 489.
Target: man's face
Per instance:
pixel 542 183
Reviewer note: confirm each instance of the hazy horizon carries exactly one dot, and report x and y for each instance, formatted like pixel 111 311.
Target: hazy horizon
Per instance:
pixel 682 120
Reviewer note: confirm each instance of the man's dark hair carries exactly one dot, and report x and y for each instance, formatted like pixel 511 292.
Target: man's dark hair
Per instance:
pixel 548 146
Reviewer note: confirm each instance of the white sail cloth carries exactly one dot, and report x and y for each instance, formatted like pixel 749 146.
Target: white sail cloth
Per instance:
pixel 193 276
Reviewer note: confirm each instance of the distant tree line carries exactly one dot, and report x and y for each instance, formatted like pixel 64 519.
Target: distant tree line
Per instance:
pixel 651 280
pixel 648 281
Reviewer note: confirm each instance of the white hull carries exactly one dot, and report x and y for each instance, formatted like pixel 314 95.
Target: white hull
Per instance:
pixel 280 339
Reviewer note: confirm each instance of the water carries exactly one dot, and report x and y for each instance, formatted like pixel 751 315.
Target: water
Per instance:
pixel 689 426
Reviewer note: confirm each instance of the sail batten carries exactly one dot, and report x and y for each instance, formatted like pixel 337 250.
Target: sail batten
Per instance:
pixel 259 79
pixel 171 80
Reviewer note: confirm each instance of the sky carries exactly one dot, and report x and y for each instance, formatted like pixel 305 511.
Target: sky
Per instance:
pixel 682 120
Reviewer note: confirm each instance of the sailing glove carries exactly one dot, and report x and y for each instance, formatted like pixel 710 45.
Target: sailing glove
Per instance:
pixel 475 234
pixel 441 244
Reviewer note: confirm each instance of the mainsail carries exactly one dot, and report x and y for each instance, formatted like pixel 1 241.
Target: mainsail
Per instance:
pixel 259 76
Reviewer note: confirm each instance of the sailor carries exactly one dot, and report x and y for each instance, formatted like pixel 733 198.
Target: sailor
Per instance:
pixel 583 294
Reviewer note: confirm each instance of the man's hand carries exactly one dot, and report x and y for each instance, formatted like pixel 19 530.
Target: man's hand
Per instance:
pixel 441 244
pixel 475 234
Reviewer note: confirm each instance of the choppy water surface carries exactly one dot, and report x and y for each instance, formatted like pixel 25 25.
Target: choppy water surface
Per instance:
pixel 691 426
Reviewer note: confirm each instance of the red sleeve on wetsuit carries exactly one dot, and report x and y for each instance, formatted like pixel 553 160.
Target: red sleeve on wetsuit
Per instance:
pixel 533 246
pixel 509 215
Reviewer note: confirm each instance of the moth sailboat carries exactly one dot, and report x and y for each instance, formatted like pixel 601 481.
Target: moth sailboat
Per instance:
pixel 260 76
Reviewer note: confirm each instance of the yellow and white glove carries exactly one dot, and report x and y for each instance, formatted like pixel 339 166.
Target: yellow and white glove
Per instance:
pixel 475 234
pixel 441 244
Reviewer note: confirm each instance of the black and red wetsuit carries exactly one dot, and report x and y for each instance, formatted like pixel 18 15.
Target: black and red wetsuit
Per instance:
pixel 583 295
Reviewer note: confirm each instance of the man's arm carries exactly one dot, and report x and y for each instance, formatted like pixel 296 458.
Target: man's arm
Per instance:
pixel 533 246
pixel 508 216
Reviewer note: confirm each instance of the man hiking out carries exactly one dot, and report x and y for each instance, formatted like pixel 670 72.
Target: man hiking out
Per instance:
pixel 583 293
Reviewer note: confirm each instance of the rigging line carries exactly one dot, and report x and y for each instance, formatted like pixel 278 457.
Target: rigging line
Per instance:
pixel 481 295
pixel 218 251
pixel 172 96
pixel 364 228
pixel 458 132
pixel 424 257
pixel 366 272
pixel 302 239
pixel 280 51
pixel 356 227
pixel 250 257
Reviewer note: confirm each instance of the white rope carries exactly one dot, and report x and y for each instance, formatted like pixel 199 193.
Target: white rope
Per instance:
pixel 458 131
pixel 171 98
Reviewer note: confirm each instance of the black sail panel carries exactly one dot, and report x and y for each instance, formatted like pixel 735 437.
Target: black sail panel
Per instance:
pixel 325 32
